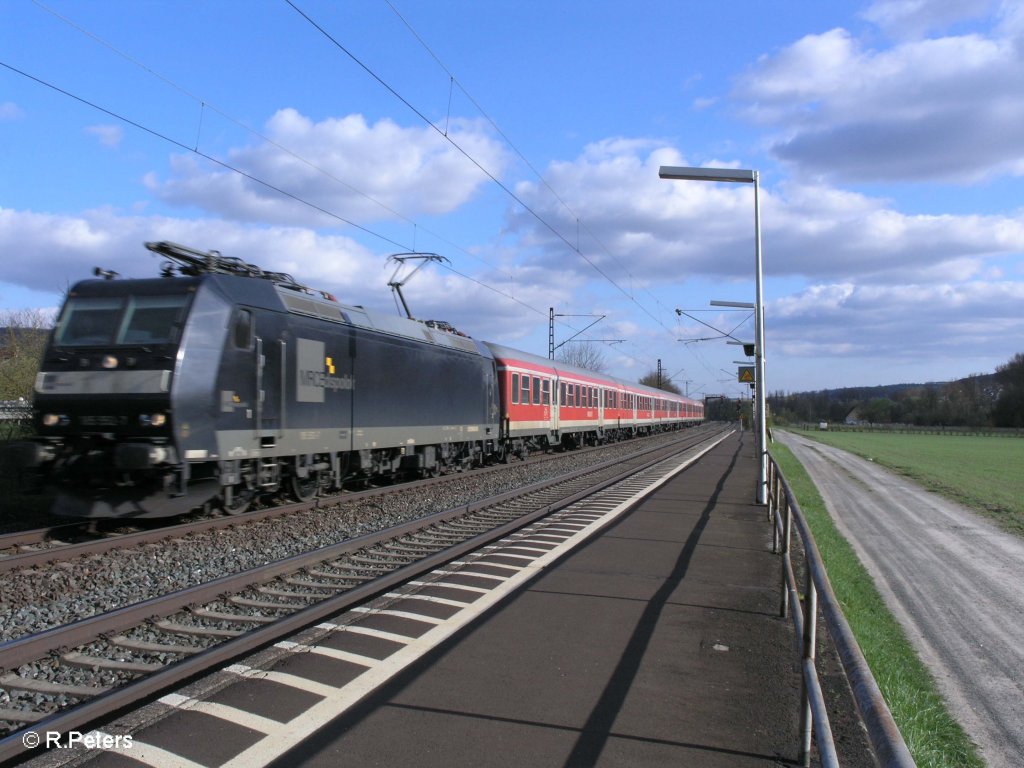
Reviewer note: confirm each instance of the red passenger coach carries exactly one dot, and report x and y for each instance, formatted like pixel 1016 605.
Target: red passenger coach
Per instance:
pixel 546 403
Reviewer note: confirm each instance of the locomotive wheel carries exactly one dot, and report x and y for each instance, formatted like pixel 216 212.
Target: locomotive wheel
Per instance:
pixel 236 499
pixel 305 488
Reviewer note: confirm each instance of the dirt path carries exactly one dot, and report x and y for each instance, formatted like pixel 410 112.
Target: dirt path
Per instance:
pixel 953 580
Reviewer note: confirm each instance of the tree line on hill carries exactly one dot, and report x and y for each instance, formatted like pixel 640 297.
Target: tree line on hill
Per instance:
pixel 982 400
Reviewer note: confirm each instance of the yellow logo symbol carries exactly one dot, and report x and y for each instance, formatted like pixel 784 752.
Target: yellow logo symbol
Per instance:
pixel 330 366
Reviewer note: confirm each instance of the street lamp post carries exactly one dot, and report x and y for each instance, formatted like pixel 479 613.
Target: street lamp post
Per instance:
pixel 744 176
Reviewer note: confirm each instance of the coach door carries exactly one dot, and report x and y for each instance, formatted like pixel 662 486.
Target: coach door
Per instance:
pixel 270 353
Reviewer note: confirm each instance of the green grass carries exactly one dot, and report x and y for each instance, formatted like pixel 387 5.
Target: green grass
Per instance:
pixel 984 473
pixel 934 738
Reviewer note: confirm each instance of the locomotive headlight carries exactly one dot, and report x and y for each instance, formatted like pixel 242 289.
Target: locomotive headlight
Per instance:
pixel 109 361
pixel 153 419
pixel 55 420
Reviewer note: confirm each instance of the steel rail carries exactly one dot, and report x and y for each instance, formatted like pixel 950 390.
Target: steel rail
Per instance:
pixel 35 647
pixel 100 545
pixel 14 653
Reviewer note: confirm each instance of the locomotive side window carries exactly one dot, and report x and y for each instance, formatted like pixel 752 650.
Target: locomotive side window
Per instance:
pixel 243 329
pixel 536 390
pixel 515 388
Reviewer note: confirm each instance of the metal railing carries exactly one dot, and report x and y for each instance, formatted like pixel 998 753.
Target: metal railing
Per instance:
pixel 885 737
pixel 15 410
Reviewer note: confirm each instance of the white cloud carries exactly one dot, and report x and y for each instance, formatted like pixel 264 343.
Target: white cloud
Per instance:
pixel 10 111
pixel 55 251
pixel 108 135
pixel 636 224
pixel 353 170
pixel 880 322
pixel 915 18
pixel 946 108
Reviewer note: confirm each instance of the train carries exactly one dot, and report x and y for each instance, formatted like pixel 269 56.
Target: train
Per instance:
pixel 217 382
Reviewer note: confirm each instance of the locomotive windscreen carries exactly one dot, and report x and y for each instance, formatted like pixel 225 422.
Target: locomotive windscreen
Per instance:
pixel 121 320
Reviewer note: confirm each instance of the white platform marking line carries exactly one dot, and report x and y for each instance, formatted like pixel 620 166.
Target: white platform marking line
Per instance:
pixel 380 633
pixel 284 678
pixel 472 563
pixel 450 585
pixel 474 574
pixel 402 615
pixel 287 735
pixel 334 653
pixel 425 598
pixel 234 715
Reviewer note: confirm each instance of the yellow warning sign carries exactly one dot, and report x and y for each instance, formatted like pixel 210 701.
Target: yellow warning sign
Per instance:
pixel 746 374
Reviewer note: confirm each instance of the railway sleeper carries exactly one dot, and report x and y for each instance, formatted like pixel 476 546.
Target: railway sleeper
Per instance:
pixel 346 576
pixel 292 593
pixel 248 602
pixel 22 715
pixel 382 560
pixel 142 645
pixel 412 550
pixel 31 685
pixel 196 630
pixel 239 618
pixel 306 584
pixel 86 661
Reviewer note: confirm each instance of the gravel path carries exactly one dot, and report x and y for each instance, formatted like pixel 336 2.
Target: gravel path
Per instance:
pixel 951 578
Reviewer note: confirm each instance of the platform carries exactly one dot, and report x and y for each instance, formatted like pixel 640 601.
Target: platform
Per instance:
pixel 655 643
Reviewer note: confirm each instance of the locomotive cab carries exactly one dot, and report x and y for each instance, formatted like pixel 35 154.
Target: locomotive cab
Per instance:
pixel 103 412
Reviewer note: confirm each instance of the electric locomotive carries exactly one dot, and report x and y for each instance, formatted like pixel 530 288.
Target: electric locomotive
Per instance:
pixel 219 381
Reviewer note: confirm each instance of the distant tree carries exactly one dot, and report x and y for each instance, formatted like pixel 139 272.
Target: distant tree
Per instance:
pixel 877 411
pixel 22 338
pixel 585 354
pixel 1009 408
pixel 651 380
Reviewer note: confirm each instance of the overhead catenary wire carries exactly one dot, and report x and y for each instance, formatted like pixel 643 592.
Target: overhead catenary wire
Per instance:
pixel 196 149
pixel 204 105
pixel 500 184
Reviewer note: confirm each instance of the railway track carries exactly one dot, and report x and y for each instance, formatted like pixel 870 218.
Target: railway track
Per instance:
pixel 28 548
pixel 67 677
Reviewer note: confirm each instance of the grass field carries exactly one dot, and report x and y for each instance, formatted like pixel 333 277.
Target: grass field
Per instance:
pixel 934 738
pixel 985 473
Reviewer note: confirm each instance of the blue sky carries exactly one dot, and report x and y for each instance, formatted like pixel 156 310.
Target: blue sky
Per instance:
pixel 522 141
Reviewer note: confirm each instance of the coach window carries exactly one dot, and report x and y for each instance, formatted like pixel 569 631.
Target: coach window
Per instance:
pixel 525 396
pixel 536 390
pixel 515 388
pixel 561 393
pixel 547 391
pixel 243 329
